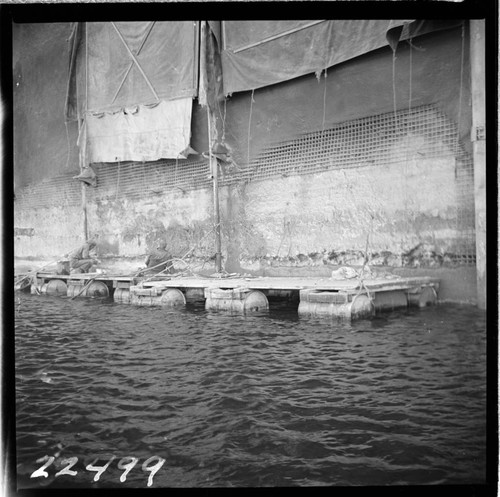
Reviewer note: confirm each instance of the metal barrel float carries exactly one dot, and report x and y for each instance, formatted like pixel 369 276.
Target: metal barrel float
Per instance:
pixel 343 305
pixel 171 297
pixel 238 300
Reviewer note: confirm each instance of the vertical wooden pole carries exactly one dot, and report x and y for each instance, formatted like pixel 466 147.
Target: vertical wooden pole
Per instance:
pixel 478 89
pixel 214 170
pixel 83 158
pixel 209 67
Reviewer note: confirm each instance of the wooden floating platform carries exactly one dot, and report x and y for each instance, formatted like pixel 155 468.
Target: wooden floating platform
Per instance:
pixel 344 298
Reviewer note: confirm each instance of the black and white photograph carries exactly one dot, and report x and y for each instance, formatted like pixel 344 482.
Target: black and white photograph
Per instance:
pixel 250 252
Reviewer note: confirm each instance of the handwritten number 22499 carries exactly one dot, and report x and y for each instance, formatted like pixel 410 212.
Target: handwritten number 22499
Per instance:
pixel 126 463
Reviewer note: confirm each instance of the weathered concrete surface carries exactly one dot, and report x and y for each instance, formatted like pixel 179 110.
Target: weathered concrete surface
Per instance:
pixel 51 232
pixel 337 210
pixel 130 227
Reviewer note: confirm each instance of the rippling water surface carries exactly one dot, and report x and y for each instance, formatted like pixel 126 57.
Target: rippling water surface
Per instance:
pixel 268 400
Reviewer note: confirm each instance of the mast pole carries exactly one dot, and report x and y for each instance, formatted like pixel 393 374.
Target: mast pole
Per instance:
pixel 82 156
pixel 211 97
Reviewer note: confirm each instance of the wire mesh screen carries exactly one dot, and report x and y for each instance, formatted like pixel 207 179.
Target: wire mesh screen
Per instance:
pixel 466 211
pixel 378 141
pixel 372 142
pixel 136 180
pixel 59 191
pixel 363 142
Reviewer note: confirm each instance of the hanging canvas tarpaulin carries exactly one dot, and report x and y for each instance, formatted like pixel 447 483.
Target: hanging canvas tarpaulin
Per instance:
pixel 140 133
pixel 262 53
pixel 132 85
pixel 120 64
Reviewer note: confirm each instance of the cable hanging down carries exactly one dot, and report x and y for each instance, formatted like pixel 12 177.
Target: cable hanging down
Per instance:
pixel 249 123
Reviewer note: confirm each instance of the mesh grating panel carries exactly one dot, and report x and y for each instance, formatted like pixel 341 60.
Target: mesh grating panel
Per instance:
pixel 378 141
pixel 363 142
pixel 136 180
pixel 60 191
pixel 465 212
pixel 375 141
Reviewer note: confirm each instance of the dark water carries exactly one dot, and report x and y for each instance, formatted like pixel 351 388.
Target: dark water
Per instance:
pixel 269 400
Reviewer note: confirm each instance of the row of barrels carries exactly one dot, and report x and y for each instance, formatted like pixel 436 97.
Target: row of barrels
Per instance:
pixel 101 289
pixel 81 288
pixel 346 305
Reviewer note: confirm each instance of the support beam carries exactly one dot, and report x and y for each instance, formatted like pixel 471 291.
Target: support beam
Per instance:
pixel 212 72
pixel 83 149
pixel 478 89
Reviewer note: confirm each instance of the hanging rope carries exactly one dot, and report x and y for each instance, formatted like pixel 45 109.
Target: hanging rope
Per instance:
pixel 394 103
pixel 411 76
pixel 461 90
pixel 118 181
pixel 249 123
pixel 72 59
pixel 143 176
pixel 410 90
pixel 67 144
pixel 324 102
pixel 86 72
pixel 394 88
pixel 224 121
pixel 324 111
pixel 83 155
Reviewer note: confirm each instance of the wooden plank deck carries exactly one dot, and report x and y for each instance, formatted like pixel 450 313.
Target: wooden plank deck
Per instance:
pixel 88 276
pixel 346 298
pixel 294 283
pixel 257 283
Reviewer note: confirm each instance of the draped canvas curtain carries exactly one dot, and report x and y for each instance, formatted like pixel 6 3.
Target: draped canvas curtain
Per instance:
pixel 131 86
pixel 262 53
